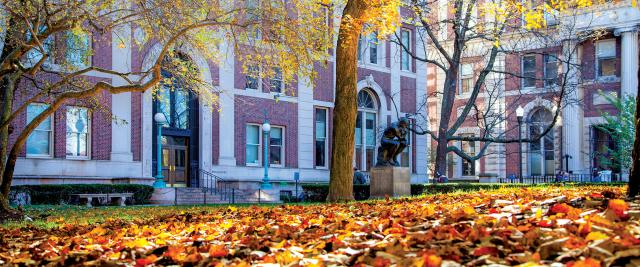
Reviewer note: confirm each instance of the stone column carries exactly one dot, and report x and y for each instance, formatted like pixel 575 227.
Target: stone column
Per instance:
pixel 305 124
pixel 422 141
pixel 571 113
pixel 629 58
pixel 227 105
pixel 121 103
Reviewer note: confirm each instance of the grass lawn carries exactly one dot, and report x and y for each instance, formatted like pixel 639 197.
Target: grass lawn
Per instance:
pixel 573 225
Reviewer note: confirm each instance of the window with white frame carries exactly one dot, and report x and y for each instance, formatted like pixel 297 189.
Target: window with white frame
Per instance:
pixel 253 141
pixel 551 64
pixel 443 12
pixel 528 71
pixel 78 134
pixel 606 58
pixel 321 138
pixel 276 81
pixel 405 58
pixel 276 146
pixel 253 77
pixel 40 141
pixel 360 47
pixel 34 55
pixel 466 78
pixel 373 48
pixel 78 50
pixel 469 148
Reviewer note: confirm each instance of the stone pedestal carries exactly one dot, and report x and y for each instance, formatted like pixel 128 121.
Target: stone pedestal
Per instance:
pixel 390 181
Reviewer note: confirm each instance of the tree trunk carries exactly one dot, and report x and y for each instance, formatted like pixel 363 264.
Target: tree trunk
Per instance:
pixel 346 106
pixel 634 175
pixel 448 96
pixel 7 85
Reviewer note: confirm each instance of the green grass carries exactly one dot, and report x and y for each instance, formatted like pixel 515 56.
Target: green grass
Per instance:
pixel 52 216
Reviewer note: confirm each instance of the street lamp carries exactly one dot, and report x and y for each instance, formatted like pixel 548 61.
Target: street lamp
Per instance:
pixel 266 127
pixel 519 115
pixel 160 121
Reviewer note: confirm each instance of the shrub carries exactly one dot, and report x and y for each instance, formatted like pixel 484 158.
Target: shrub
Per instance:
pixel 61 193
pixel 319 192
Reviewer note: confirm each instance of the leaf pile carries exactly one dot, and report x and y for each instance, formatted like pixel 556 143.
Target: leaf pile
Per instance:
pixel 586 226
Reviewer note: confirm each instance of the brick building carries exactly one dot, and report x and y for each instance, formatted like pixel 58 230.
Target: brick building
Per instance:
pixel 606 65
pixel 83 144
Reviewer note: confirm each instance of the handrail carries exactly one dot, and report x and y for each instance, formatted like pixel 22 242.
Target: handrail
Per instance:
pixel 214 184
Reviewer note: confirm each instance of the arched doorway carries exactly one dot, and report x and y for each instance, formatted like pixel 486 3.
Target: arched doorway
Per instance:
pixel 366 124
pixel 541 152
pixel 179 135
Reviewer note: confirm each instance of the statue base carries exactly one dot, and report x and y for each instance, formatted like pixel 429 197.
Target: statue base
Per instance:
pixel 390 181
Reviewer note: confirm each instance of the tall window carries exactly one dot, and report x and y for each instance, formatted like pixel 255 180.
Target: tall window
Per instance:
pixel 373 48
pixel 77 132
pixel 78 50
pixel 365 131
pixel 606 58
pixel 253 141
pixel 466 78
pixel 469 148
pixel 252 78
pixel 40 141
pixel 321 137
pixel 541 152
pixel 405 58
pixel 276 146
pixel 276 81
pixel 34 55
pixel 360 47
pixel 405 156
pixel 529 71
pixel 550 70
pixel 173 101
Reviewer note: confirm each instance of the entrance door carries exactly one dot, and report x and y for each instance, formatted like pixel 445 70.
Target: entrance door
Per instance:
pixel 175 160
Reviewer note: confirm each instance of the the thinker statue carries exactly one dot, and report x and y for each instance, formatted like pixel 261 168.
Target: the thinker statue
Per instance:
pixel 393 142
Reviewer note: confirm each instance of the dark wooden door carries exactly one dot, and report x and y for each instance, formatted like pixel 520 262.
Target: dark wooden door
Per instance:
pixel 175 160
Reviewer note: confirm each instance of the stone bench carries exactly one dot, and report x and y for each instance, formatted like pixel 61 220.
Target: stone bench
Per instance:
pixel 121 197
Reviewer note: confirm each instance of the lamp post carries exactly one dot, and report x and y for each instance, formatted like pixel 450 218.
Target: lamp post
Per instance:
pixel 519 115
pixel 266 127
pixel 160 121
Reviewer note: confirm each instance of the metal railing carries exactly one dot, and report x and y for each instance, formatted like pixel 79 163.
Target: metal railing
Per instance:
pixel 215 185
pixel 571 178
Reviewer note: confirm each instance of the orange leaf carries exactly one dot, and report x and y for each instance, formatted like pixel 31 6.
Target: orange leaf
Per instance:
pixel 619 207
pixel 381 262
pixel 560 208
pixel 431 260
pixel 146 261
pixel 588 262
pixel 485 251
pixel 218 251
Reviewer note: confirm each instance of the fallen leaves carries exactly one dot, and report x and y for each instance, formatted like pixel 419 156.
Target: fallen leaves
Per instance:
pixel 585 226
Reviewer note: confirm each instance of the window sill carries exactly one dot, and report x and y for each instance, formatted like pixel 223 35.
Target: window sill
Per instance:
pixel 38 156
pixel 77 158
pixel 607 79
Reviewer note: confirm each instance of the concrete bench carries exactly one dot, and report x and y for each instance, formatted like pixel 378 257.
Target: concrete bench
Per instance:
pixel 120 197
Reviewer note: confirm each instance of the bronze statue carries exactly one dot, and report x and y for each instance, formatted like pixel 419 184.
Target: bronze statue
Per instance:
pixel 392 143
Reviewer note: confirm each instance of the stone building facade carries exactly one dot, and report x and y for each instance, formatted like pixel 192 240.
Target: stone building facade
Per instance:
pixel 116 142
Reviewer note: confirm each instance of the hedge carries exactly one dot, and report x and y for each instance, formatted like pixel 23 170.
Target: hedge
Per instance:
pixel 318 192
pixel 61 194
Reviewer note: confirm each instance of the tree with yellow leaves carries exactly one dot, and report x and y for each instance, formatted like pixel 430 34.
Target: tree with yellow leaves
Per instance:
pixel 46 52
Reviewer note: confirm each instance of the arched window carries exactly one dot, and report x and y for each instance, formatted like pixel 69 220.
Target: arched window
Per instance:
pixel 173 101
pixel 541 152
pixel 366 123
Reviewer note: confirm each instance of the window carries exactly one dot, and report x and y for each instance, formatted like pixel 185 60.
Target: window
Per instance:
pixel 541 152
pixel 529 71
pixel 40 141
pixel 606 58
pixel 78 50
pixel 405 60
pixel 173 101
pixel 276 81
pixel 34 55
pixel 276 146
pixel 253 144
pixel 469 148
pixel 77 132
pixel 373 48
pixel 321 137
pixel 405 156
pixel 252 77
pixel 365 132
pixel 466 78
pixel 550 70
pixel 360 48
